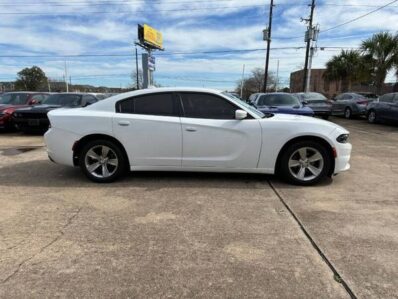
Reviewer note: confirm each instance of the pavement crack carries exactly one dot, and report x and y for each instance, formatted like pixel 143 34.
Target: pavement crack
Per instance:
pixel 336 275
pixel 56 239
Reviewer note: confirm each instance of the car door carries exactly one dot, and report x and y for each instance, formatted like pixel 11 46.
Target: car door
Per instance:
pixel 394 108
pixel 383 106
pixel 212 137
pixel 150 129
pixel 338 105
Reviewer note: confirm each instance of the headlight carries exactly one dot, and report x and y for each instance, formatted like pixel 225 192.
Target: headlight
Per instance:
pixel 343 138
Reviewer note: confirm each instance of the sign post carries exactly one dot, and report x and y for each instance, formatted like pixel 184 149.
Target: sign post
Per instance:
pixel 149 39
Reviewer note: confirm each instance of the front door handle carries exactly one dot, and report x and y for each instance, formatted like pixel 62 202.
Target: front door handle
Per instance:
pixel 123 123
pixel 190 129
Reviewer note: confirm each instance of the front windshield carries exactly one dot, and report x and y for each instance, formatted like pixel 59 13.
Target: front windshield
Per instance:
pixel 69 100
pixel 278 100
pixel 14 98
pixel 244 104
pixel 313 96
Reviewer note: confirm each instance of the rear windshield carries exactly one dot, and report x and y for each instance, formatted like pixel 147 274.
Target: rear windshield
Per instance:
pixel 69 100
pixel 14 98
pixel 313 96
pixel 278 100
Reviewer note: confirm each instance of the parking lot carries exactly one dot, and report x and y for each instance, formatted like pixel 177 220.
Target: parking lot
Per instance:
pixel 200 235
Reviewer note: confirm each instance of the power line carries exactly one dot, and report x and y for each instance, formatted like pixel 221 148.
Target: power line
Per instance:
pixel 360 17
pixel 105 3
pixel 125 12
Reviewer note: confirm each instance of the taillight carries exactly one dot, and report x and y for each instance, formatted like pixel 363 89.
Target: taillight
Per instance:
pixel 362 102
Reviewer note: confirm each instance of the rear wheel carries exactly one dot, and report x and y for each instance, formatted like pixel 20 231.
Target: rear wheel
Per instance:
pixel 305 163
pixel 372 117
pixel 102 161
pixel 348 113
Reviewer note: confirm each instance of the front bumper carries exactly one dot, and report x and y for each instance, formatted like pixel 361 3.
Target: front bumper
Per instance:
pixel 343 152
pixel 40 124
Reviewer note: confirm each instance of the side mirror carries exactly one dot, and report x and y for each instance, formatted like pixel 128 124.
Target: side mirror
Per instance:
pixel 305 103
pixel 240 114
pixel 33 102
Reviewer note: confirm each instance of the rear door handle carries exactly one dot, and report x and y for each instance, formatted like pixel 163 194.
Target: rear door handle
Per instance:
pixel 123 123
pixel 190 129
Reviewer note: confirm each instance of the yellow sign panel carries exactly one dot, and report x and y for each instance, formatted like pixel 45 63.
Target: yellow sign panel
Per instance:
pixel 153 37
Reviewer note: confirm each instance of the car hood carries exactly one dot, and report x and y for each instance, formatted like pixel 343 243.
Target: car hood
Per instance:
pixel 7 106
pixel 286 109
pixel 300 120
pixel 38 109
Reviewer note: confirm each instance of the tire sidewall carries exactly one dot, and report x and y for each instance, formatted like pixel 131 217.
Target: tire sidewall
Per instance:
pixel 349 111
pixel 284 167
pixel 375 117
pixel 120 156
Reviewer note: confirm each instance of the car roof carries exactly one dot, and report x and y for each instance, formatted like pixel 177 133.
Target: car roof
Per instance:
pixel 109 103
pixel 28 92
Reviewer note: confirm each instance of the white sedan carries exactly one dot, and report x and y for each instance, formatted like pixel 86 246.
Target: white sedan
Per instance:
pixel 192 129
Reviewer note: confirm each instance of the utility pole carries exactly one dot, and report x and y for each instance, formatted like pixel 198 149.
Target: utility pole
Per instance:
pixel 136 68
pixel 66 78
pixel 277 77
pixel 267 37
pixel 308 37
pixel 308 80
pixel 243 80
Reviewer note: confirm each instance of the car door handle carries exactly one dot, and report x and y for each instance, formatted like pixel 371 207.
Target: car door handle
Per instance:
pixel 123 123
pixel 190 129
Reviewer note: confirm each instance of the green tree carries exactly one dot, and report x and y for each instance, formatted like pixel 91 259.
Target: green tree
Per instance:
pixel 348 67
pixel 31 79
pixel 381 52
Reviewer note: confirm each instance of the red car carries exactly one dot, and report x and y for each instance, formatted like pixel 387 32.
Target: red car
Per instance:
pixel 10 101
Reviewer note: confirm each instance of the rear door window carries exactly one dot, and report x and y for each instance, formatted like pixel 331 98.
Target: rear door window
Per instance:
pixel 162 104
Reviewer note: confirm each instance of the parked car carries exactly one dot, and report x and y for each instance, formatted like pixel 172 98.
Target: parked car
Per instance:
pixel 11 101
pixel 34 119
pixel 317 102
pixel 350 104
pixel 253 97
pixel 280 102
pixel 385 109
pixel 193 129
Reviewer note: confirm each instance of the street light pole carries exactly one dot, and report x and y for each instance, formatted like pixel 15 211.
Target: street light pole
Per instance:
pixel 267 37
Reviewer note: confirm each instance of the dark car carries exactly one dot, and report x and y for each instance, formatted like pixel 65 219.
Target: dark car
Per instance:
pixel 350 104
pixel 280 102
pixel 10 101
pixel 317 102
pixel 34 119
pixel 385 109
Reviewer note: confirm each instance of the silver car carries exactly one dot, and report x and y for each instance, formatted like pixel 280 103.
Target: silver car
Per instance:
pixel 350 105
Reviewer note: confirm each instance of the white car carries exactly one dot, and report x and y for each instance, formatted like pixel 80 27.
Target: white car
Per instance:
pixel 192 129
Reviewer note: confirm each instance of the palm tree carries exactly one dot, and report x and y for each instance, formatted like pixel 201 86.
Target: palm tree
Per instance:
pixel 347 67
pixel 381 50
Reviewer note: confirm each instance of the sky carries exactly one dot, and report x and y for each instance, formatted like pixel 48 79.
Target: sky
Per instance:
pixel 66 31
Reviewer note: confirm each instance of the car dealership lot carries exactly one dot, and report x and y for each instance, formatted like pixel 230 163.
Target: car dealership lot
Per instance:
pixel 199 235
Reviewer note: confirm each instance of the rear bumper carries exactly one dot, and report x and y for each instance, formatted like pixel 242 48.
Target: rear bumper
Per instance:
pixel 59 145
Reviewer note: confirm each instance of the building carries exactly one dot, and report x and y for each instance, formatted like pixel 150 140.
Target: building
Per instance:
pixel 331 88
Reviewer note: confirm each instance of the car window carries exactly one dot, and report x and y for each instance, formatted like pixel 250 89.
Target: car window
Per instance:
pixel 14 98
pixel 161 104
pixel 313 96
pixel 69 100
pixel 202 105
pixel 387 98
pixel 38 98
pixel 89 99
pixel 278 100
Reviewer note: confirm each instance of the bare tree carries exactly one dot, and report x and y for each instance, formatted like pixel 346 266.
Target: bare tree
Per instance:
pixel 255 82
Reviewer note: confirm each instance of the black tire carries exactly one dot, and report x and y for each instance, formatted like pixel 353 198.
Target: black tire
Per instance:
pixel 372 117
pixel 114 153
pixel 312 147
pixel 347 113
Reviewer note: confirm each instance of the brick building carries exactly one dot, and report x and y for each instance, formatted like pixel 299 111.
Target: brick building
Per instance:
pixel 331 88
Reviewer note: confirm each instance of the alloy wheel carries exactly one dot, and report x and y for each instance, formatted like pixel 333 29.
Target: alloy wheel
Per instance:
pixel 101 161
pixel 347 113
pixel 372 116
pixel 306 163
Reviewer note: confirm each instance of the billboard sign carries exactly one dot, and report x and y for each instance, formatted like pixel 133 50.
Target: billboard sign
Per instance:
pixel 150 37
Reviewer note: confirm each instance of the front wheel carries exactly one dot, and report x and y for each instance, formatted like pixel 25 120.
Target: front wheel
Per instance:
pixel 102 161
pixel 347 113
pixel 372 117
pixel 305 163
